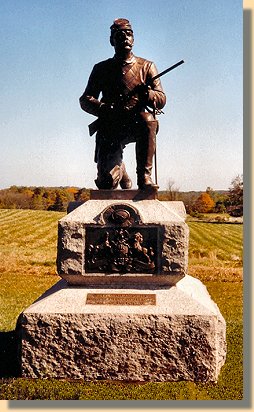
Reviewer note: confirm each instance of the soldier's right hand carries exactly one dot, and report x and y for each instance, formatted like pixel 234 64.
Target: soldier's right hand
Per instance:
pixel 142 91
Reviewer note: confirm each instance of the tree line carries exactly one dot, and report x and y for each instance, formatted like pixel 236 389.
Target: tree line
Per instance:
pixel 210 201
pixel 58 198
pixel 41 198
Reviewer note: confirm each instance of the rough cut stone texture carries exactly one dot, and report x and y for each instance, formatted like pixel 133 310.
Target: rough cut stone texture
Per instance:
pixel 175 243
pixel 168 218
pixel 182 337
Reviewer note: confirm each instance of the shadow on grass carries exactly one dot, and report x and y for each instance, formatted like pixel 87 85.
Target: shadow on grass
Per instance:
pixel 9 364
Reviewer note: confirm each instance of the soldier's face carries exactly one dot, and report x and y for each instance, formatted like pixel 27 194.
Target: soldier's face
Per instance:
pixel 123 40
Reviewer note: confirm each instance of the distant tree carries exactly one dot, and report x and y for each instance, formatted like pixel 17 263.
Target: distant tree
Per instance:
pixel 204 203
pixel 235 197
pixel 13 199
pixel 220 206
pixel 211 192
pixel 28 192
pixel 172 190
pixel 189 199
pixel 82 194
pixel 38 191
pixel 61 201
pixel 221 202
pixel 37 202
pixel 72 190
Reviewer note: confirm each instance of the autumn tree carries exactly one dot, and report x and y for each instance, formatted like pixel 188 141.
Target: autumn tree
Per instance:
pixel 62 198
pixel 37 199
pixel 82 195
pixel 14 199
pixel 204 203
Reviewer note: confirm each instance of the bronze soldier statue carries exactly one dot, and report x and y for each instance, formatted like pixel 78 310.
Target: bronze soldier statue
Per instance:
pixel 130 99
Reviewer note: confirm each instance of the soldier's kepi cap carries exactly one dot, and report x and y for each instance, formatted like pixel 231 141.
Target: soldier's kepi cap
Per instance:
pixel 120 24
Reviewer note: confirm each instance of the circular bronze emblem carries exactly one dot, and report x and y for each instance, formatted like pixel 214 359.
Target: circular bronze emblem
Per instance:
pixel 119 216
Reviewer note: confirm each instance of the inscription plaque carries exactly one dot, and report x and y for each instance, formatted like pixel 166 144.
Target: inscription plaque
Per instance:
pixel 120 299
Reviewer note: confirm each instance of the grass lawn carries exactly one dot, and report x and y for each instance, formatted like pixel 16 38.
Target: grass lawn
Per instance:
pixel 27 268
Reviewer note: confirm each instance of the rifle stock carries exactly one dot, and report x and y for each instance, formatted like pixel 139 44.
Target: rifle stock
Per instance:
pixel 93 127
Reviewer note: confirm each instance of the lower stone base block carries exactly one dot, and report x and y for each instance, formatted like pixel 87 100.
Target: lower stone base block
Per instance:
pixel 158 335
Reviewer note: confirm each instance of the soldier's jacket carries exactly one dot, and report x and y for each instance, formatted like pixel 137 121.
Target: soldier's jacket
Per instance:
pixel 112 78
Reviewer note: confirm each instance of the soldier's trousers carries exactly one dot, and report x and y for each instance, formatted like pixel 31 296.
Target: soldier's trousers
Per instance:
pixel 111 142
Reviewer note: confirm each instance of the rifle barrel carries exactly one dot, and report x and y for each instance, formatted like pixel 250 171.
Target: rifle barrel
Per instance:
pixel 167 70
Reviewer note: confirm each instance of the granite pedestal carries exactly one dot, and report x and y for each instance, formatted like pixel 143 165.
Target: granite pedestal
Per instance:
pixel 126 308
pixel 137 334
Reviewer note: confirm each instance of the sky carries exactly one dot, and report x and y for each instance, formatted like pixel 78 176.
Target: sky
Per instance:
pixel 48 49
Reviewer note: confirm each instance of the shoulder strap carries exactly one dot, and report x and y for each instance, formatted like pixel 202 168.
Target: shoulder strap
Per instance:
pixel 132 76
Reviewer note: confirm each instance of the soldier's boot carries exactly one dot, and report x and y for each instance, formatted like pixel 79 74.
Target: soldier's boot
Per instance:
pixel 145 149
pixel 125 181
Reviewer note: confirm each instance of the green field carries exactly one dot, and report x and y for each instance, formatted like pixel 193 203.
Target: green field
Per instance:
pixel 27 268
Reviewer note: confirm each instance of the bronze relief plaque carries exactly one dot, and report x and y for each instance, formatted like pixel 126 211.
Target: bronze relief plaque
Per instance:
pixel 121 249
pixel 134 299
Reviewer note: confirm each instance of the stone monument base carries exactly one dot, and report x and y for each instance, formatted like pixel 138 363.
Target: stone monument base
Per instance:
pixel 162 334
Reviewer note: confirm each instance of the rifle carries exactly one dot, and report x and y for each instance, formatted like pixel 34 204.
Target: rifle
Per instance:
pixel 93 127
